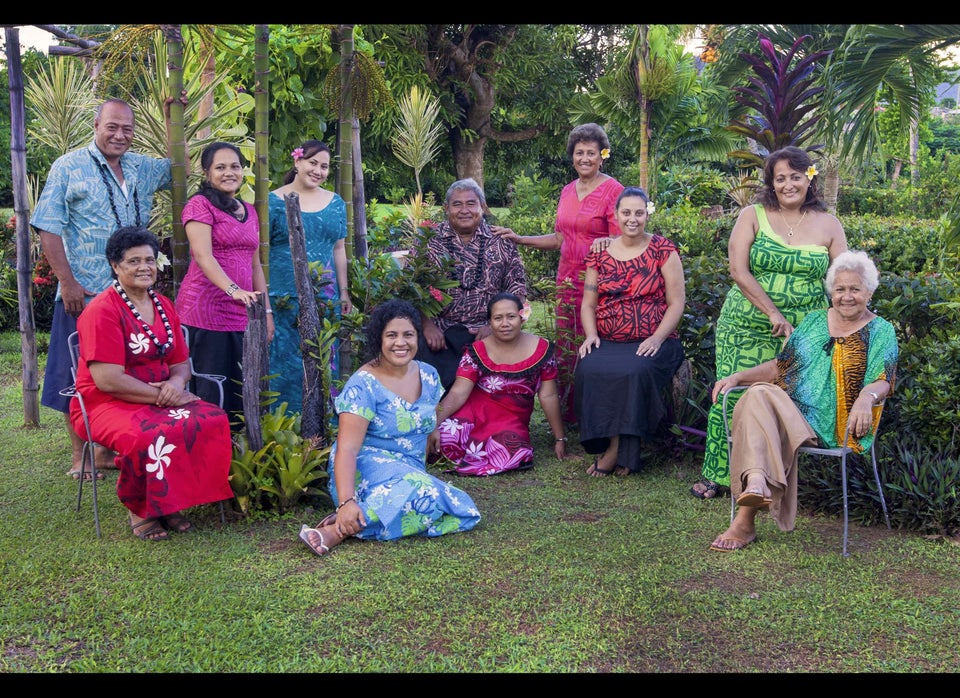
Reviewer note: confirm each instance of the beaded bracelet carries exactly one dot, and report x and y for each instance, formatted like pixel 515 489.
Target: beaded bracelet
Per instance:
pixel 345 502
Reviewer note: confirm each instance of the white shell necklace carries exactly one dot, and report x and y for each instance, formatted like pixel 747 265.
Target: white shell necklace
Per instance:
pixel 791 227
pixel 161 348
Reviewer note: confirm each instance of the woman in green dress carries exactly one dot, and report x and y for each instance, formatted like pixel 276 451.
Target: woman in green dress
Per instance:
pixel 779 252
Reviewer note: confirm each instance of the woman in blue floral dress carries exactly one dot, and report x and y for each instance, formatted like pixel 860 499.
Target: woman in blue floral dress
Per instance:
pixel 378 474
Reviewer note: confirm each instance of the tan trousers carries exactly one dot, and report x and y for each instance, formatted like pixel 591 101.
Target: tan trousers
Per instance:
pixel 767 429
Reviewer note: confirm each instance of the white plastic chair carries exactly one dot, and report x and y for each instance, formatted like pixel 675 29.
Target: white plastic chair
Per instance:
pixel 840 452
pixel 88 454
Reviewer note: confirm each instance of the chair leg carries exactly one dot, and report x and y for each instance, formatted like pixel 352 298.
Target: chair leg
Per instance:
pixel 843 477
pixel 88 455
pixel 876 475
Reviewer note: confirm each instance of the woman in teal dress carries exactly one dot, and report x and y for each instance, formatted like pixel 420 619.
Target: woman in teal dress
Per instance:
pixel 324 215
pixel 779 251
pixel 378 473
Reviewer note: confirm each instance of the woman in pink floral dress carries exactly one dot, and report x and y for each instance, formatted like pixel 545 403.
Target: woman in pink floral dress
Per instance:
pixel 484 420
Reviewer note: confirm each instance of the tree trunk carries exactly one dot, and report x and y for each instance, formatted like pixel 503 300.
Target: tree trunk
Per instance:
pixel 256 367
pixel 314 392
pixel 21 205
pixel 179 161
pixel 831 183
pixel 359 197
pixel 914 153
pixel 345 130
pixel 468 156
pixel 261 171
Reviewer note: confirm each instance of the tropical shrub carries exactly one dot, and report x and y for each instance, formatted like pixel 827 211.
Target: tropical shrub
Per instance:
pixel 534 212
pixel 287 471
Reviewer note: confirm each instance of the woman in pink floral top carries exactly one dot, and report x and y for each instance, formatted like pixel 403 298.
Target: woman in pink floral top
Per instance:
pixel 485 427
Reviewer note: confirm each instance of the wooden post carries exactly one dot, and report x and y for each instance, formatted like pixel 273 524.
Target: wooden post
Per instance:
pixel 256 367
pixel 314 397
pixel 21 202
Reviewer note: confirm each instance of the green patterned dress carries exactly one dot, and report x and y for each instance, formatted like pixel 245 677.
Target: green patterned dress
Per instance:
pixel 792 276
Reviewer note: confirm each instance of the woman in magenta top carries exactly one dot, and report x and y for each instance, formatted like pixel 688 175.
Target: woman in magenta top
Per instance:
pixel 224 277
pixel 586 212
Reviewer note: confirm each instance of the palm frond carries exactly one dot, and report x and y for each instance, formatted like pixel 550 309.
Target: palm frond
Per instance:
pixel 63 102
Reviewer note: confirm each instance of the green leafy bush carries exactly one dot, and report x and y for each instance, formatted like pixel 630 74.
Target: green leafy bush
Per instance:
pixel 534 212
pixel 922 481
pixel 287 471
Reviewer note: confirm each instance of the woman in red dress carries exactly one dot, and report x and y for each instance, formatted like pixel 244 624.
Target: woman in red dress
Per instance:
pixel 485 427
pixel 587 212
pixel 173 449
pixel 632 304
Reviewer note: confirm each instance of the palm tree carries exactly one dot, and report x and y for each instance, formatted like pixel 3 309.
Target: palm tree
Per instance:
pixel 657 101
pixel 902 57
pixel 179 164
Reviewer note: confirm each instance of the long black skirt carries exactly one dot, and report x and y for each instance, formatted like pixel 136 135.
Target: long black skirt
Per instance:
pixel 617 392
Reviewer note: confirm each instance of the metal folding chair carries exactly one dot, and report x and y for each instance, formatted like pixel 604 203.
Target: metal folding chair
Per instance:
pixel 88 454
pixel 840 452
pixel 213 377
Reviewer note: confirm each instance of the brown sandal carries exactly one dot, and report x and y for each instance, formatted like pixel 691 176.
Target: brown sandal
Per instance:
pixel 176 522
pixel 711 489
pixel 149 529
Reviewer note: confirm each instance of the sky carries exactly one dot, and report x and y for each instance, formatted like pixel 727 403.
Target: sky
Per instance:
pixel 30 37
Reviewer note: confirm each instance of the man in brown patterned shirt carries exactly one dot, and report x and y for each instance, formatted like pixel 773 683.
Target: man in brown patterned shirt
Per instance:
pixel 486 264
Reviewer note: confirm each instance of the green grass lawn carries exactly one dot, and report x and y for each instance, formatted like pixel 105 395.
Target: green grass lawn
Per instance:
pixel 564 574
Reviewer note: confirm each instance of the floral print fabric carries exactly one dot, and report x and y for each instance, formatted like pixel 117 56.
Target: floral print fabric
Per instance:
pixel 490 433
pixel 170 458
pixel 398 496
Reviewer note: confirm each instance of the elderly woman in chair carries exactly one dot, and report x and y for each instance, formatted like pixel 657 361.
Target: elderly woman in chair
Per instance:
pixel 827 383
pixel 173 449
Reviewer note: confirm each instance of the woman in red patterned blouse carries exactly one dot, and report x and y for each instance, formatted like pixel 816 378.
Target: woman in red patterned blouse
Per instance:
pixel 633 300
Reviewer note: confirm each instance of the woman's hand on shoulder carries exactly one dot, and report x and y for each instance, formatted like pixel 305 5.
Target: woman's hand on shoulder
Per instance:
pixel 505 233
pixel 600 244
